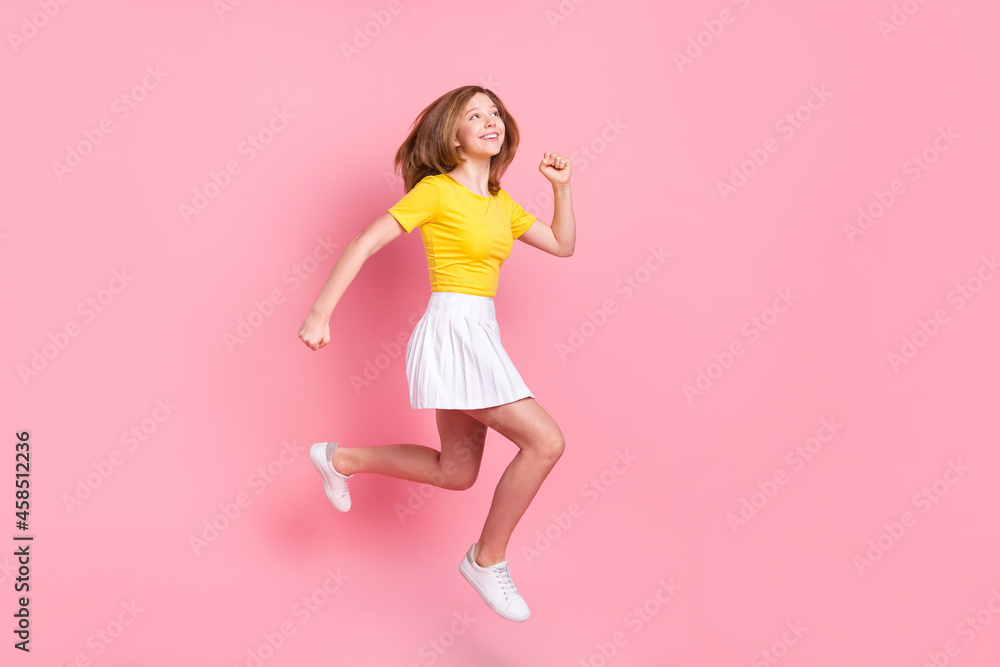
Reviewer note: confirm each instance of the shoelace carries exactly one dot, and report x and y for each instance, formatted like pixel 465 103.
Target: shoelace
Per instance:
pixel 506 583
pixel 344 490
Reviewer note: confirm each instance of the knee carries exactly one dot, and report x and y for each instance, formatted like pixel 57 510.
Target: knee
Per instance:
pixel 458 482
pixel 454 478
pixel 551 447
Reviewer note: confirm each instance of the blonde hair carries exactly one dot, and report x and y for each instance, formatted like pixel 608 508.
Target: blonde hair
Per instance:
pixel 430 147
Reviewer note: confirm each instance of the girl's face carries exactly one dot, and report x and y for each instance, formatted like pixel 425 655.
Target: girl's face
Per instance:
pixel 481 132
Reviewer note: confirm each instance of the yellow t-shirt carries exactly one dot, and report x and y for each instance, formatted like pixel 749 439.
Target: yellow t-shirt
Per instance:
pixel 467 237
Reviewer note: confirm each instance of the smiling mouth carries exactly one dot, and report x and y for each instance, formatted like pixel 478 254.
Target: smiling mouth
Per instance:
pixel 490 137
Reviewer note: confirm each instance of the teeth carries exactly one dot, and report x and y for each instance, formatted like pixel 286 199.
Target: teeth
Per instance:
pixel 490 136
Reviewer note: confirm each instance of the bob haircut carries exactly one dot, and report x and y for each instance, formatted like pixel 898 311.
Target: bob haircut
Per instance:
pixel 430 148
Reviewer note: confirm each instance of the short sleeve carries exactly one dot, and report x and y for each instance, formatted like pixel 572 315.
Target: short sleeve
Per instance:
pixel 520 220
pixel 417 206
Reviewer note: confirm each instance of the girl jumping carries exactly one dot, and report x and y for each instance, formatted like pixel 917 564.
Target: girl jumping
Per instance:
pixel 451 163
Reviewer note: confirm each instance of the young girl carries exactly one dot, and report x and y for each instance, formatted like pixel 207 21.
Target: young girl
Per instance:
pixel 451 163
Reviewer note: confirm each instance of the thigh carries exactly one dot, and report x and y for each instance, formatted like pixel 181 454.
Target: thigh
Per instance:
pixel 462 440
pixel 524 422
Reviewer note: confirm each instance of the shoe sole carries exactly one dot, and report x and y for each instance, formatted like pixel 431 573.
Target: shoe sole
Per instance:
pixel 317 454
pixel 486 599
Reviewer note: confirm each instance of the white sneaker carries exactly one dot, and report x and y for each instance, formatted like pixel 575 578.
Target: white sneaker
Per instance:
pixel 321 455
pixel 493 583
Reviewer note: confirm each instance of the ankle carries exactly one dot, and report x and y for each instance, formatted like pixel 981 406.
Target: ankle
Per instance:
pixel 486 557
pixel 343 461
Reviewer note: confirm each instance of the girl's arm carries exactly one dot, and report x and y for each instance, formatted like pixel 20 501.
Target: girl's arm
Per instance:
pixel 563 220
pixel 558 239
pixel 315 330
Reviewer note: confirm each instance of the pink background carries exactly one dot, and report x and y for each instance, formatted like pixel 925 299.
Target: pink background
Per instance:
pixel 661 135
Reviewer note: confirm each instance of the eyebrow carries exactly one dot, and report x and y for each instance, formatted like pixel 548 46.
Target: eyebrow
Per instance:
pixel 492 106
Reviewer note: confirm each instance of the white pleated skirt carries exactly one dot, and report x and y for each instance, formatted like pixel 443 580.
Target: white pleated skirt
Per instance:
pixel 454 358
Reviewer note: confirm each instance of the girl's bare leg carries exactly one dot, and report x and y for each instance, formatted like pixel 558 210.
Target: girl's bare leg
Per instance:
pixel 529 426
pixel 456 466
